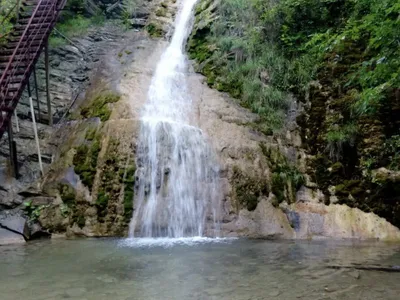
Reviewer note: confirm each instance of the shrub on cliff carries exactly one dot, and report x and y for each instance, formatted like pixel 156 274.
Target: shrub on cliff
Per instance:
pixel 341 57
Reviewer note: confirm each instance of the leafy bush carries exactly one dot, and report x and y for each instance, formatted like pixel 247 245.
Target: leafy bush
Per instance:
pixel 7 16
pixel 247 62
pixel 289 40
pixel 338 138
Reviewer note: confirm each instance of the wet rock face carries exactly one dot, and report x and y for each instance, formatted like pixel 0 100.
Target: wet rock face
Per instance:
pixel 92 176
pixel 13 227
pixel 70 68
pixel 297 170
pixel 9 237
pixel 91 166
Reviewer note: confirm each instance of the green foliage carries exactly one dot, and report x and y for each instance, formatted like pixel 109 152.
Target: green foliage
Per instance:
pixel 75 6
pixel 65 210
pixel 280 45
pixel 238 56
pixel 8 13
pixel 67 193
pixel 392 152
pixel 79 218
pixel 118 175
pixel 161 12
pixel 33 212
pixel 339 137
pixel 154 30
pixel 102 200
pixel 129 10
pixel 248 189
pixel 99 106
pixel 74 23
pixel 85 161
pixel 129 183
pixel 286 178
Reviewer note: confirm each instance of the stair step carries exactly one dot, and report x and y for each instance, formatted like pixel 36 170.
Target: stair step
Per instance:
pixel 18 33
pixel 37 20
pixel 4 58
pixel 21 28
pixel 12 89
pixel 46 11
pixel 35 2
pixel 34 36
pixel 16 72
pixel 9 52
pixel 16 64
pixel 27 53
pixel 16 80
pixel 13 45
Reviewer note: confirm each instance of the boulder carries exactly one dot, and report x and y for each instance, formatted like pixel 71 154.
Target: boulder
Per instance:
pixel 383 175
pixel 37 231
pixel 317 220
pixel 16 224
pixel 40 200
pixel 138 23
pixel 8 237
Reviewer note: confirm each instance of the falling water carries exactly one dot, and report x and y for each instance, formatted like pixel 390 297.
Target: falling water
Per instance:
pixel 176 190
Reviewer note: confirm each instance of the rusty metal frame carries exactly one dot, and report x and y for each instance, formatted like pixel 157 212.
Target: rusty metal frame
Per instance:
pixel 28 49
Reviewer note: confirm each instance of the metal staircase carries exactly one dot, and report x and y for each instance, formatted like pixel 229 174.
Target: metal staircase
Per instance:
pixel 36 19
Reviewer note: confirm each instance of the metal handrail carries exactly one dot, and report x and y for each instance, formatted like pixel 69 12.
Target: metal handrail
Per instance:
pixel 26 40
pixel 21 39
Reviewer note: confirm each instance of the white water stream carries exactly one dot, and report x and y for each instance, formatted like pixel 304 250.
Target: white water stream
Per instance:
pixel 177 186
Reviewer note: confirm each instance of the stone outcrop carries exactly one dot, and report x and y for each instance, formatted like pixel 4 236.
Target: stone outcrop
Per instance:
pixel 280 167
pixel 70 69
pixel 243 151
pixel 9 237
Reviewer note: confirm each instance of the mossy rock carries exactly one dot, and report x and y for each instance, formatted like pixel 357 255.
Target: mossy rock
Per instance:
pixel 161 12
pixel 354 188
pixel 99 106
pixel 67 193
pixel 154 30
pixel 85 159
pixel 116 186
pixel 129 182
pixel 78 216
pixel 286 178
pixel 248 189
pixel 336 168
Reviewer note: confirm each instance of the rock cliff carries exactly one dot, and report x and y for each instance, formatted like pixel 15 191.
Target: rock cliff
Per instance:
pixel 89 182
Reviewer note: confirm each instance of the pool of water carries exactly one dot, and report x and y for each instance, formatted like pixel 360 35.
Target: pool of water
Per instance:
pixel 196 269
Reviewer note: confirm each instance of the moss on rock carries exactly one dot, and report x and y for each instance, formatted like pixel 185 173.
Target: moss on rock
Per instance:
pixel 85 160
pixel 161 12
pixel 154 30
pixel 116 184
pixel 286 179
pixel 248 189
pixel 67 193
pixel 99 106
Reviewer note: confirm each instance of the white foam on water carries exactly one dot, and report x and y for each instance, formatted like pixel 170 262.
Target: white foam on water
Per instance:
pixel 171 242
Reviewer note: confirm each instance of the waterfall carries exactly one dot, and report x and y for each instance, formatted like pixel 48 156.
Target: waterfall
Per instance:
pixel 177 176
